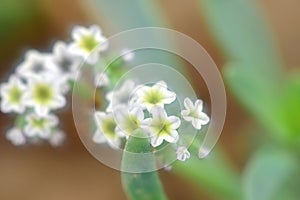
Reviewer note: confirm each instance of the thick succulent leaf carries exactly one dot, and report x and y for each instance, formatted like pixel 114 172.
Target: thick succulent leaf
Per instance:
pixel 266 173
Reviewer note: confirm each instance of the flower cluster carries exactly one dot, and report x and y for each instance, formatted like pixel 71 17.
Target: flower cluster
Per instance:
pixel 145 108
pixel 39 86
pixel 40 83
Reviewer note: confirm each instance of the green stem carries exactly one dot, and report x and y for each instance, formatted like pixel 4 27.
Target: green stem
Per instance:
pixel 140 186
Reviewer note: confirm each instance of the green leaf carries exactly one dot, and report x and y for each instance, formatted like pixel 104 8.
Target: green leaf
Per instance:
pixel 146 186
pixel 128 14
pixel 214 174
pixel 266 173
pixel 258 93
pixel 289 105
pixel 241 32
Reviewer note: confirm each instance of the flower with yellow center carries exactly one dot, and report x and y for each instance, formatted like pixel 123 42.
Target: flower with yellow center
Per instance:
pixel 162 127
pixel 106 130
pixel 193 113
pixel 44 95
pixel 38 126
pixel 12 96
pixel 88 43
pixel 157 95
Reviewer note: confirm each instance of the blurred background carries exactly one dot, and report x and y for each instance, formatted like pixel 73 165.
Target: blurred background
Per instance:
pixel 70 172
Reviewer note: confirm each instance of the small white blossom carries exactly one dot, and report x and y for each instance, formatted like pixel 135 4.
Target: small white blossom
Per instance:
pixel 98 137
pixel 57 138
pixel 88 43
pixel 162 127
pixel 127 55
pixel 35 64
pixel 37 126
pixel 16 136
pixel 101 80
pixel 45 94
pixel 107 127
pixel 193 113
pixel 182 153
pixel 62 59
pixel 128 120
pixel 121 96
pixel 157 95
pixel 12 96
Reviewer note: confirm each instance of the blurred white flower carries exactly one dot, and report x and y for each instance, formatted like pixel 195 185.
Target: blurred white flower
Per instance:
pixel 157 95
pixel 193 113
pixel 38 126
pixel 88 43
pixel 66 62
pixel 35 64
pixel 98 137
pixel 44 95
pixel 101 80
pixel 16 136
pixel 127 55
pixel 128 119
pixel 120 97
pixel 182 153
pixel 108 128
pixel 57 138
pixel 12 95
pixel 162 127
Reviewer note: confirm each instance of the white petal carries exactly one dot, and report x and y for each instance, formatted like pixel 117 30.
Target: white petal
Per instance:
pixel 175 122
pixel 95 30
pixel 197 123
pixel 204 118
pixel 188 104
pixel 199 105
pixel 169 97
pixel 158 113
pixel 78 32
pixel 138 113
pixel 98 137
pixel 99 117
pixel 160 85
pixel 57 139
pixel 172 137
pixel 41 110
pixel 92 58
pixel 156 141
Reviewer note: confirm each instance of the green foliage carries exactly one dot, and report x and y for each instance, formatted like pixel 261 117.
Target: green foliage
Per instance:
pixel 241 32
pixel 129 14
pixel 214 174
pixel 267 173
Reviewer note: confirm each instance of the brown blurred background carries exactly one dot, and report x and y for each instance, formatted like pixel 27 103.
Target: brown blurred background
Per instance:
pixel 70 172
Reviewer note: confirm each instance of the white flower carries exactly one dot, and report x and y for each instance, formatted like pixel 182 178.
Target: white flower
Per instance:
pixel 66 62
pixel 12 96
pixel 35 64
pixel 101 79
pixel 128 120
pixel 121 96
pixel 107 127
pixel 16 136
pixel 194 114
pixel 98 137
pixel 182 153
pixel 88 42
pixel 157 95
pixel 57 138
pixel 44 95
pixel 37 126
pixel 162 127
pixel 127 55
